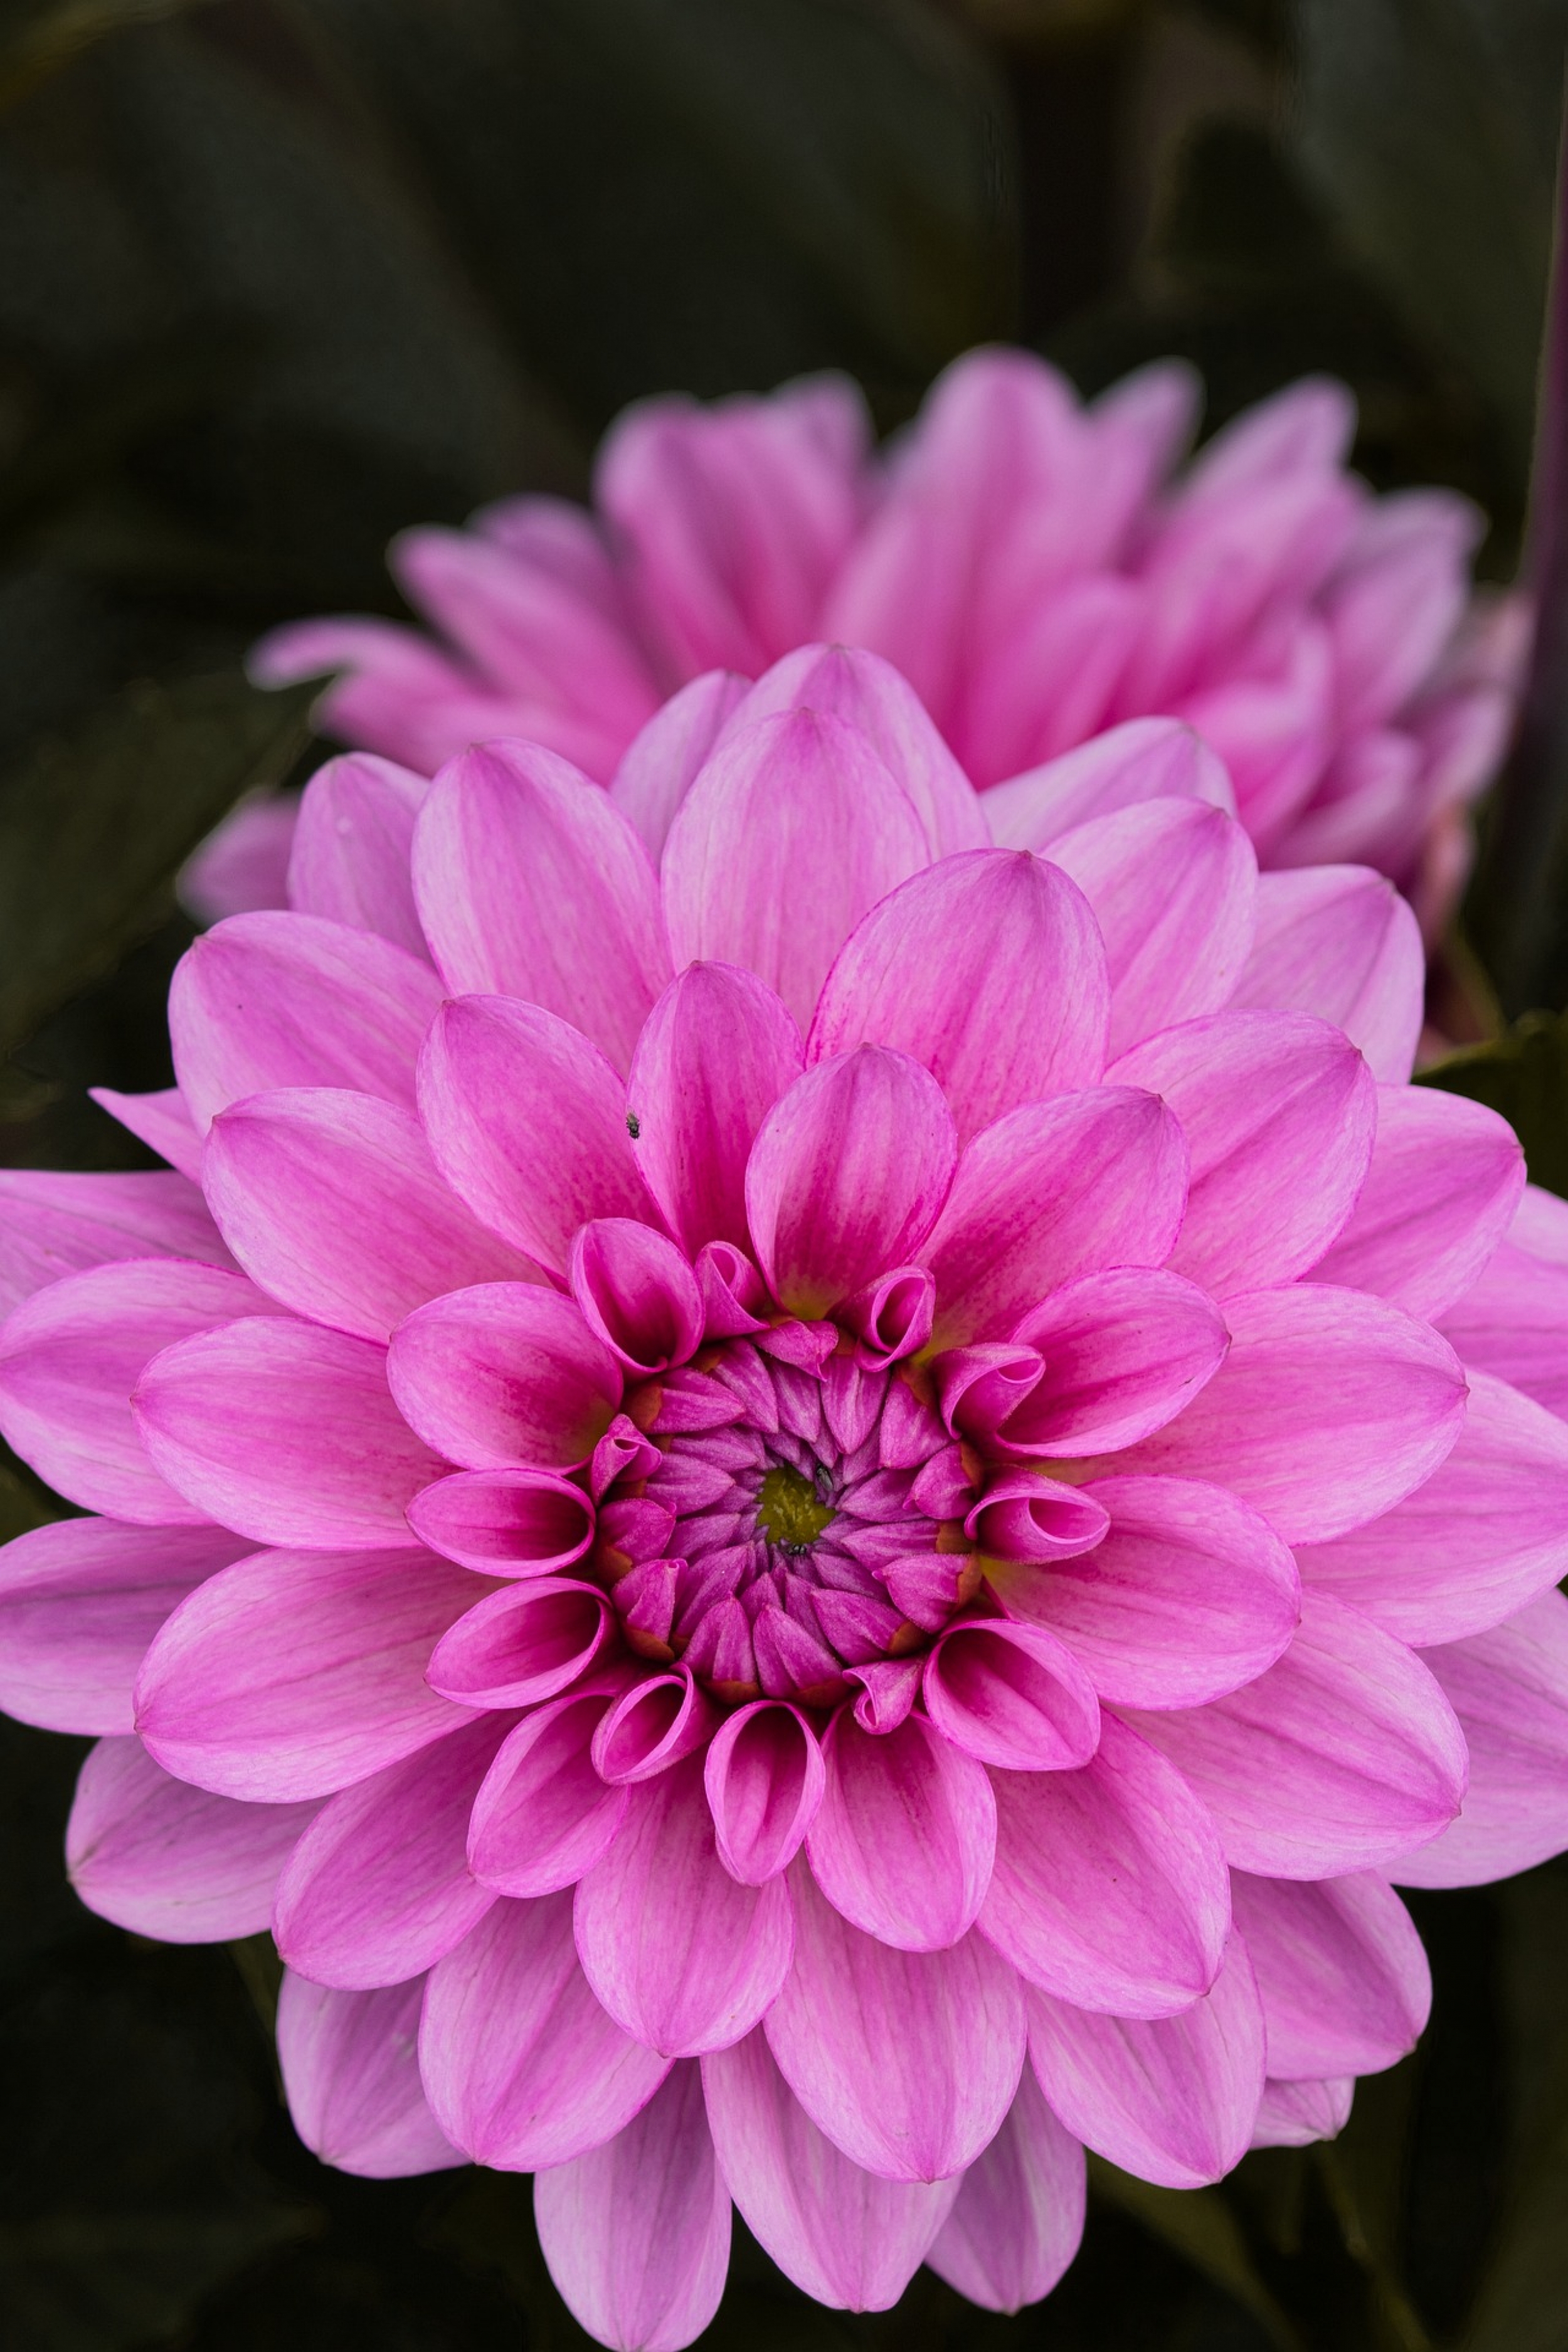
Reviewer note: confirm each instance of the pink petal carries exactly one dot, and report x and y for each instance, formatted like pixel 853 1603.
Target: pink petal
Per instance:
pixel 1124 1352
pixel 295 1673
pixel 352 847
pixel 1509 1689
pixel 524 1644
pixel 161 1120
pixel 1294 2115
pixel 1329 1407
pixel 1513 1322
pixel 505 1522
pixel 352 2079
pixel 907 2060
pixel 1338 941
pixel 1113 1165
pixel 528 1124
pixel 504 1375
pixel 1279 1112
pixel 1345 1756
pixel 681 1955
pixel 243 864
pixel 1019 2217
pixel 805 797
pixel 163 1859
pixel 333 1203
pixel 851 2239
pixel 1169 2099
pixel 636 2233
pixel 1340 1972
pixel 661 1719
pixel 286 1432
pixel 637 1293
pixel 79 1601
pixel 1026 1518
pixel 1190 1595
pixel 1172 883
pixel 70 1355
pixel 522 2067
pixel 1110 1888
pixel 530 883
pixel 872 695
pixel 715 1054
pixel 53 1224
pixel 659 763
pixel 1487 1532
pixel 275 1000
pixel 1143 760
pixel 903 1840
pixel 847 1176
pixel 764 1776
pixel 1443 1182
pixel 1012 1696
pixel 988 969
pixel 543 1815
pixel 379 1887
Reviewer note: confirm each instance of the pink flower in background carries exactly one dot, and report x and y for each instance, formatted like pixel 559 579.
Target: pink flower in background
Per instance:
pixel 1038 569
pixel 812 1493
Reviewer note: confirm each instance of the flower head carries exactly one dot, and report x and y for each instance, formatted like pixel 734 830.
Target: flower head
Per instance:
pixel 1036 568
pixel 791 1501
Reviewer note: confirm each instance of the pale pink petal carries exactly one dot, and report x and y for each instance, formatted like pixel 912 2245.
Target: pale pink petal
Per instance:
pixel 163 1859
pixel 243 864
pixel 1143 760
pixel 531 884
pixel 528 1123
pixel 846 1177
pixel 1169 2099
pixel 1012 1696
pixel 379 1887
pixel 351 848
pixel 1443 1182
pixel 1398 599
pixel 161 1120
pixel 285 1431
pixel 1019 2217
pixel 1513 1320
pixel 1340 1972
pixel 79 1601
pixel 661 760
pixel 1173 884
pixel 295 1673
pixel 1339 942
pixel 1112 1163
pixel 71 1355
pixel 1345 1756
pixel 872 695
pixel 1509 1689
pixel 1294 2115
pixel 1110 1888
pixel 506 1373
pixel 351 2074
pixel 1124 1352
pixel 522 2066
pixel 989 970
pixel 1329 1407
pixel 636 2233
pixel 505 1522
pixel 764 1776
pixel 53 1224
pixel 543 1815
pixel 715 1054
pixel 331 1203
pixel 850 2239
pixel 903 1840
pixel 907 2060
pixel 680 1953
pixel 804 797
pixel 1487 1532
pixel 277 1000
pixel 1279 1112
pixel 1190 1595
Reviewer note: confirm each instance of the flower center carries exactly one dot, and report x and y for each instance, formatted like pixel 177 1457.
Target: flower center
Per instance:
pixel 780 1518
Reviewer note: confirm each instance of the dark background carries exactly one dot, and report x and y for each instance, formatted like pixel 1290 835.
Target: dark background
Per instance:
pixel 279 277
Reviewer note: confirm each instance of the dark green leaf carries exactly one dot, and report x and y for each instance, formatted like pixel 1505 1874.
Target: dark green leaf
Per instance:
pixel 1201 2226
pixel 1523 1074
pixel 41 36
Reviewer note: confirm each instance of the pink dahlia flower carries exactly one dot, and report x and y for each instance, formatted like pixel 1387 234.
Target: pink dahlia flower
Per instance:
pixel 813 1507
pixel 1034 567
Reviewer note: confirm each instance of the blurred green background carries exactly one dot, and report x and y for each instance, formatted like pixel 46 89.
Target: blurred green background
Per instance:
pixel 279 277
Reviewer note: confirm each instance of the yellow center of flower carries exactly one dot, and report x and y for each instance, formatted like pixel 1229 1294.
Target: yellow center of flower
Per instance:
pixel 789 1511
